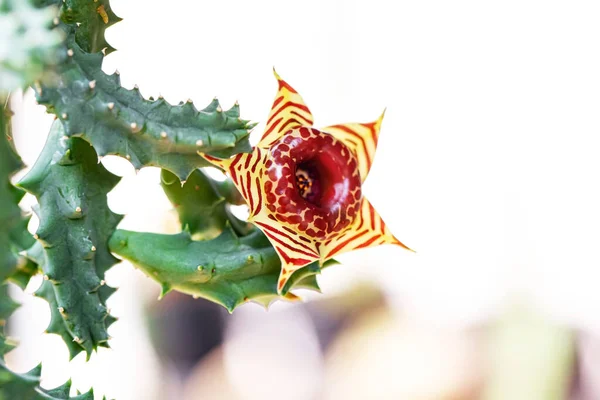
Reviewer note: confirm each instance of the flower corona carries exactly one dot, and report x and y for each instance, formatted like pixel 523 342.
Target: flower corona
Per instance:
pixel 303 185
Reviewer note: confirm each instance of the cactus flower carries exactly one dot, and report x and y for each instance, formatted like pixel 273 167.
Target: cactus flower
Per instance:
pixel 303 185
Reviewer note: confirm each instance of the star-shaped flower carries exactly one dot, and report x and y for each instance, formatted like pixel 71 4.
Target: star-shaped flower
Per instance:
pixel 303 185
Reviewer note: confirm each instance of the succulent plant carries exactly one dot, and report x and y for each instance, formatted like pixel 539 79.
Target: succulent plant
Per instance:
pixel 302 186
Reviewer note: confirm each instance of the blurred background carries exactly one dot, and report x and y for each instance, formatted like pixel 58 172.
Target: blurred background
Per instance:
pixel 487 166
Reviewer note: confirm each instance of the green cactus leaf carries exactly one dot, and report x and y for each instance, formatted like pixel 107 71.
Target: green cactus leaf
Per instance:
pixel 93 17
pixel 94 106
pixel 58 325
pixel 29 43
pixel 14 236
pixel 7 304
pixel 202 210
pixel 75 223
pixel 26 386
pixel 226 270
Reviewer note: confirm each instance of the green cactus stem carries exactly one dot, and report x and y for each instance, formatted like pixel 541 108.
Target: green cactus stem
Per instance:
pixel 227 270
pixel 94 106
pixel 75 223
pixel 26 386
pixel 93 18
pixel 202 210
pixel 29 43
pixel 14 236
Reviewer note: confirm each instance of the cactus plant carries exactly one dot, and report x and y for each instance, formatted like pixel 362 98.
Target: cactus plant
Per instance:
pixel 216 256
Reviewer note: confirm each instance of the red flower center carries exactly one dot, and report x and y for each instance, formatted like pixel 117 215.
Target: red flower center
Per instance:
pixel 312 181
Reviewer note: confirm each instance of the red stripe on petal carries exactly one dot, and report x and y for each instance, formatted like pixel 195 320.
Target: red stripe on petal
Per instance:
pixel 288 122
pixel 285 235
pixel 368 242
pixel 277 101
pixel 293 261
pixel 284 84
pixel 287 246
pixel 249 187
pixel 289 104
pixel 272 127
pixel 259 206
pixel 308 121
pixel 344 244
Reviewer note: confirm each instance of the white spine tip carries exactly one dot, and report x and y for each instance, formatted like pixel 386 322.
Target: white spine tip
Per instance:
pixel 190 101
pixel 61 310
pixel 56 21
pixel 93 248
pixel 163 134
pixel 128 157
pixel 70 52
pixel 35 236
pixel 136 87
pixel 92 84
pixel 102 282
pixel 64 115
pixel 117 72
pixel 111 106
pixel 78 210
pixel 219 109
pixel 195 297
pixel 65 137
pixel 133 125
pixel 46 278
pixel 199 142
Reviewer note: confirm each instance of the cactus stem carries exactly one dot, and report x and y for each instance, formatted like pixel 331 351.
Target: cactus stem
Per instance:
pixel 196 187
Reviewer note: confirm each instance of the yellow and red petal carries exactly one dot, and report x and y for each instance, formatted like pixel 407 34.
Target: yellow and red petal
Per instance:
pixel 361 138
pixel 246 171
pixel 288 112
pixel 367 230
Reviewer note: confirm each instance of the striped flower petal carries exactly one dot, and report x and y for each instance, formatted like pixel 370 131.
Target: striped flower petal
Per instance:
pixel 303 185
